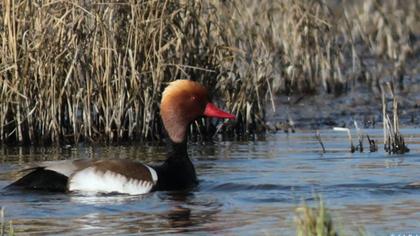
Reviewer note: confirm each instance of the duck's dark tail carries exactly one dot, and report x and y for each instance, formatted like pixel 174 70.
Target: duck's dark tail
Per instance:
pixel 41 179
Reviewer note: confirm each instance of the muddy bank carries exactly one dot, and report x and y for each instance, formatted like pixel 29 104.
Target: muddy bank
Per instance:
pixel 362 104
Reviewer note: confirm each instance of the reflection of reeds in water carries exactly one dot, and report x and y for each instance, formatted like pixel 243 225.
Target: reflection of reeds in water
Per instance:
pixel 393 139
pixel 82 71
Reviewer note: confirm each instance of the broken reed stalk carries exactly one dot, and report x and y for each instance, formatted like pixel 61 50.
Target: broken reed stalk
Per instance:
pixel 352 147
pixel 318 137
pixel 373 147
pixel 359 137
pixel 393 139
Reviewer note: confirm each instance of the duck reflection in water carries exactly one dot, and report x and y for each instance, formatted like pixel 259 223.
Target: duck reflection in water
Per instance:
pixel 189 213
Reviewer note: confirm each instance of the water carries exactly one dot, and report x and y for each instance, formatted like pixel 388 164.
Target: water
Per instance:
pixel 246 188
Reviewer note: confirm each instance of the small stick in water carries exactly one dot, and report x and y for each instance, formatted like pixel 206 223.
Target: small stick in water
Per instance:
pixel 359 137
pixel 352 148
pixel 318 137
pixel 373 147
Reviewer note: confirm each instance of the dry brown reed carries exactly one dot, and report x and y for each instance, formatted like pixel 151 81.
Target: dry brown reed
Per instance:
pixel 386 33
pixel 393 139
pixel 348 131
pixel 318 137
pixel 74 71
pixel 373 147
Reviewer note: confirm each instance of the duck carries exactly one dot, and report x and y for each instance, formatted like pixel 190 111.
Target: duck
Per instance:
pixel 183 101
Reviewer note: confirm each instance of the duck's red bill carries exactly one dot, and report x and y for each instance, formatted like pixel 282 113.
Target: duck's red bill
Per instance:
pixel 213 111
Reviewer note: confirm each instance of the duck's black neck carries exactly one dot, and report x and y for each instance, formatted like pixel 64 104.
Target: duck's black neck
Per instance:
pixel 177 172
pixel 177 150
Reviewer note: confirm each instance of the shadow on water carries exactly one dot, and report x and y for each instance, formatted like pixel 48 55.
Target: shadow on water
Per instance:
pixel 248 187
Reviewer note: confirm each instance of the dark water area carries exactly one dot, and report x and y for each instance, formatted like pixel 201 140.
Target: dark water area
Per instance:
pixel 246 188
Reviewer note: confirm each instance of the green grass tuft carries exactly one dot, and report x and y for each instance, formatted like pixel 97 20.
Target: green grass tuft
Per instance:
pixel 317 221
pixel 314 221
pixel 4 229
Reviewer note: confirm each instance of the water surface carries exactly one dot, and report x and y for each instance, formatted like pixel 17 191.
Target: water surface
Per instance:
pixel 246 188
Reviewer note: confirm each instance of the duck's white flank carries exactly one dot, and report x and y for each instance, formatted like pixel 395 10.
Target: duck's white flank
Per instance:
pixel 64 167
pixel 94 181
pixel 153 173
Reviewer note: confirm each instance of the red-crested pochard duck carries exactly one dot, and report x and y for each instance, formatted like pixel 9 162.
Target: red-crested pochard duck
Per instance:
pixel 183 101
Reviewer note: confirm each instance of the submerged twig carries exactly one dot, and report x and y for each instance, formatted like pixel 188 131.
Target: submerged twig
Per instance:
pixel 373 147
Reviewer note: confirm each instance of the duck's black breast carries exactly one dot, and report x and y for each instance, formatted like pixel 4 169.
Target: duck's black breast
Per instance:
pixel 176 174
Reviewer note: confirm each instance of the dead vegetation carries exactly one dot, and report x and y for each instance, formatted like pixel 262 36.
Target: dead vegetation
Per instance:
pixel 76 71
pixel 393 139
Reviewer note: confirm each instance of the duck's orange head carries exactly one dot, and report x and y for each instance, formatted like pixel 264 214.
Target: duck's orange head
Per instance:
pixel 183 101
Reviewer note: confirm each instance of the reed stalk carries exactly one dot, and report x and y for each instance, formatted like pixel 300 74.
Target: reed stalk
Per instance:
pixel 393 139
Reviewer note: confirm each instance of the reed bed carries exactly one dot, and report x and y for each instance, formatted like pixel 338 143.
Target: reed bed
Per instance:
pixel 81 71
pixel 75 71
pixel 386 33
